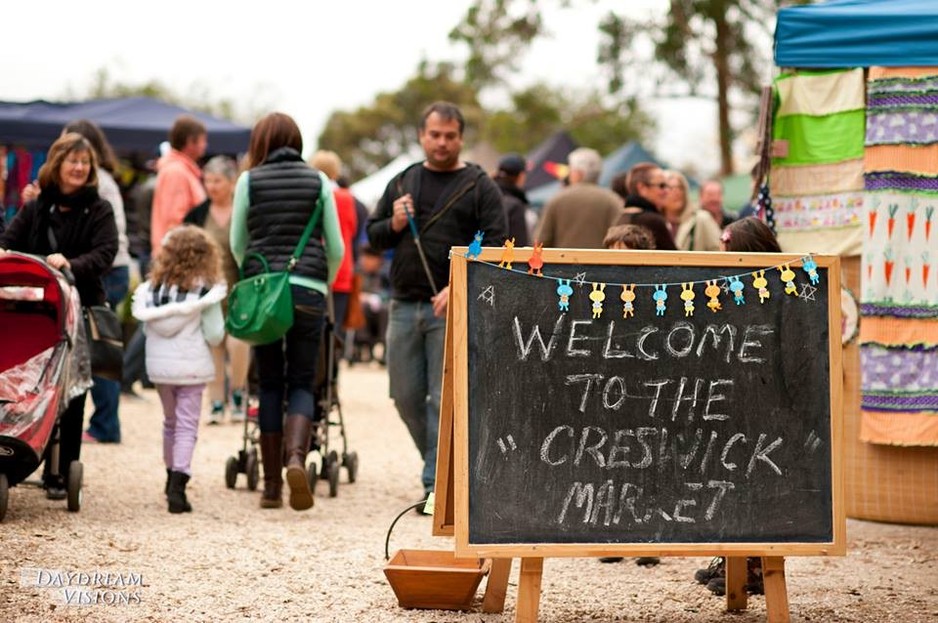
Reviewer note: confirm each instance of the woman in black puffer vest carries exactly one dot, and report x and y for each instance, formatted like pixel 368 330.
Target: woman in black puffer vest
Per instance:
pixel 273 203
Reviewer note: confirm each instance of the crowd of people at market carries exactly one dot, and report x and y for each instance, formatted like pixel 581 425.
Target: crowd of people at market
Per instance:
pixel 378 277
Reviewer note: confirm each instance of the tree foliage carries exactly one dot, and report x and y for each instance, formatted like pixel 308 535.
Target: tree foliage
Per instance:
pixel 710 46
pixel 371 136
pixel 104 86
pixel 697 47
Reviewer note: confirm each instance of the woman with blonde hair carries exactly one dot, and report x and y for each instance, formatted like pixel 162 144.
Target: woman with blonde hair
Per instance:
pixel 180 306
pixel 214 216
pixel 695 229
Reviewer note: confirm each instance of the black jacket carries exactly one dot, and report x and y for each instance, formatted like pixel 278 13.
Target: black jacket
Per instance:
pixel 516 209
pixel 283 193
pixel 649 218
pixel 471 203
pixel 87 237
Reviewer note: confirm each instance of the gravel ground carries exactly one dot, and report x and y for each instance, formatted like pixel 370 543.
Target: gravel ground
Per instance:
pixel 231 561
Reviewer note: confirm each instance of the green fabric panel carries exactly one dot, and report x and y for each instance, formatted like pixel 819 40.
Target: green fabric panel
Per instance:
pixel 821 140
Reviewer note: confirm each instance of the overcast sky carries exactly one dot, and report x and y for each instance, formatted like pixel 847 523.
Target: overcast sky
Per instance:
pixel 301 57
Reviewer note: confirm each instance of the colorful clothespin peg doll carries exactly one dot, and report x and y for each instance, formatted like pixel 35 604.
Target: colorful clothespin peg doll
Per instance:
pixel 536 261
pixel 628 300
pixel 810 267
pixel 508 254
pixel 598 296
pixel 687 295
pixel 660 296
pixel 713 291
pixel 564 291
pixel 760 283
pixel 788 277
pixel 736 287
pixel 475 247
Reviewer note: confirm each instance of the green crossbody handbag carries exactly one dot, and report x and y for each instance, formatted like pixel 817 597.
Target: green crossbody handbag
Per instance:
pixel 260 308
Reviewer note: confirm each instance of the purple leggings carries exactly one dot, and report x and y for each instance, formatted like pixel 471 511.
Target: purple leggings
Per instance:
pixel 182 406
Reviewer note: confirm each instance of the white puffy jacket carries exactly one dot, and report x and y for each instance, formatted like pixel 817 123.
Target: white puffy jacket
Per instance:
pixel 179 327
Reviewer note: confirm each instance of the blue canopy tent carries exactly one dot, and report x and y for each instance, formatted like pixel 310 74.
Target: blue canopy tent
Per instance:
pixel 133 124
pixel 857 33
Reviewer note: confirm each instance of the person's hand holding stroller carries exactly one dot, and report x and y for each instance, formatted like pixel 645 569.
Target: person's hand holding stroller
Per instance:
pixel 58 261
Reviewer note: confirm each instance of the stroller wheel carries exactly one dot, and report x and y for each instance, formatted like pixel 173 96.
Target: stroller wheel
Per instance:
pixel 75 476
pixel 4 495
pixel 252 470
pixel 350 461
pixel 312 475
pixel 333 467
pixel 231 472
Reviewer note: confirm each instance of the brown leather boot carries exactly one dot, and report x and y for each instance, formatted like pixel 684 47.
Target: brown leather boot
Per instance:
pixel 296 438
pixel 272 458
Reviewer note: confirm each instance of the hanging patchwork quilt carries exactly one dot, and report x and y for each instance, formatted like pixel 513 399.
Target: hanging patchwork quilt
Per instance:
pixel 899 298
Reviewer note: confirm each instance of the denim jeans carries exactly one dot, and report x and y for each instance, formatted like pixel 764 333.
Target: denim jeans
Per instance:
pixel 286 368
pixel 104 424
pixel 415 369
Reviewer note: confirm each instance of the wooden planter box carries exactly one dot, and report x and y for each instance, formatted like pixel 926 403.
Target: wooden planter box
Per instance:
pixel 434 579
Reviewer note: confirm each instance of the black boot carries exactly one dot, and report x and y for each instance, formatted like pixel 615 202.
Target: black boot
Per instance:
pixel 177 493
pixel 166 488
pixel 272 458
pixel 296 438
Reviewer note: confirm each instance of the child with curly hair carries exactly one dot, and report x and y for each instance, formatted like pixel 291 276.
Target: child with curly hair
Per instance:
pixel 180 304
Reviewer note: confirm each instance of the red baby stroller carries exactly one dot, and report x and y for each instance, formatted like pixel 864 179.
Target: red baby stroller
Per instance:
pixel 39 321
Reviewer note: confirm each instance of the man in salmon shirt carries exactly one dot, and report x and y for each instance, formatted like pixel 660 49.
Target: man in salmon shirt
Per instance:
pixel 179 180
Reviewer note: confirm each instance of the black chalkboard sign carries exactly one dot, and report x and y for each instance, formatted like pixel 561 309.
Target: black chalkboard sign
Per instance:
pixel 586 422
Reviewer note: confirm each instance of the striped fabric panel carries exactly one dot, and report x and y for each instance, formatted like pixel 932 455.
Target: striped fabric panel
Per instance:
pixel 821 140
pixel 909 333
pixel 917 101
pixel 820 93
pixel 909 373
pixel 819 211
pixel 817 179
pixel 916 159
pixel 921 403
pixel 896 181
pixel 912 127
pixel 903 85
pixel 898 428
pixel 896 73
pixel 895 310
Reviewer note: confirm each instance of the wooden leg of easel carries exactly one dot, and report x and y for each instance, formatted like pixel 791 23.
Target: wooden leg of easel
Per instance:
pixel 776 592
pixel 736 598
pixel 497 585
pixel 529 590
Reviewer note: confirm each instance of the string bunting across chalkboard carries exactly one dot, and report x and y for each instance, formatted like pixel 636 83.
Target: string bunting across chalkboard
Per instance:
pixel 711 287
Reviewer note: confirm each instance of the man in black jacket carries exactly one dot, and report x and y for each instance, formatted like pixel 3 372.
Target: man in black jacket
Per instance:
pixel 510 178
pixel 426 209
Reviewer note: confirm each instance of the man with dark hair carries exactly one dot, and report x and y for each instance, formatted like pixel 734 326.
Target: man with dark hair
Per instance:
pixel 179 180
pixel 510 177
pixel 442 201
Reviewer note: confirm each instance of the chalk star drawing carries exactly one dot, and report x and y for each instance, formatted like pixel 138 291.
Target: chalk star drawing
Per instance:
pixel 505 447
pixel 812 443
pixel 488 296
pixel 807 292
pixel 580 279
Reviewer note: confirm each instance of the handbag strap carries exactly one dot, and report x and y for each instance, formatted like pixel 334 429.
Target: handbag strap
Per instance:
pixel 307 233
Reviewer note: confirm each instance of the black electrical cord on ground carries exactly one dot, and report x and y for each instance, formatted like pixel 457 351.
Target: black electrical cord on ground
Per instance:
pixel 387 539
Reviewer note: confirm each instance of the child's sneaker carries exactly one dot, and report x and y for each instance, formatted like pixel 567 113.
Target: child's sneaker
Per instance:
pixel 237 407
pixel 218 412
